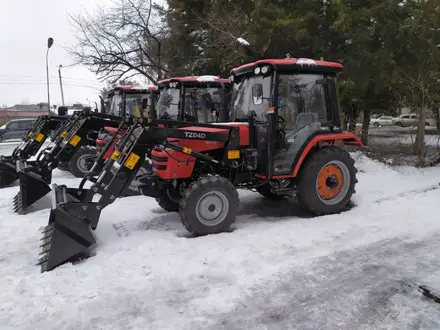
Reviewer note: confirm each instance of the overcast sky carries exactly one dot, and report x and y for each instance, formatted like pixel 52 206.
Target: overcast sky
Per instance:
pixel 25 26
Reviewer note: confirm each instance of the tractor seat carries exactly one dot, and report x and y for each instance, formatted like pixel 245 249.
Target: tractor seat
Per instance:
pixel 303 121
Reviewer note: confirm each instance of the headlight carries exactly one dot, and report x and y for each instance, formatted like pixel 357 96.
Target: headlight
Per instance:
pixel 257 70
pixel 265 69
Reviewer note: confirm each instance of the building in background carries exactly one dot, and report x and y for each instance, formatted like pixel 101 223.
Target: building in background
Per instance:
pixel 24 111
pixel 32 110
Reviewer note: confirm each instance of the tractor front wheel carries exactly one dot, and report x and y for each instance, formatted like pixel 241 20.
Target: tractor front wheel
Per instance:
pixel 79 164
pixel 326 181
pixel 209 205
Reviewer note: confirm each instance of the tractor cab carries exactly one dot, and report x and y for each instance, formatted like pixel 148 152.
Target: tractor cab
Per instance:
pixel 289 102
pixel 132 101
pixel 127 102
pixel 201 99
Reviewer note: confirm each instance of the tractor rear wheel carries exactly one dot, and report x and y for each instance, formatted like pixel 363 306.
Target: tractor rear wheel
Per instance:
pixel 326 181
pixel 78 165
pixel 209 205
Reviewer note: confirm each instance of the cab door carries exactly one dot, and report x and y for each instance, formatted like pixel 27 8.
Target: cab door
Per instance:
pixel 304 108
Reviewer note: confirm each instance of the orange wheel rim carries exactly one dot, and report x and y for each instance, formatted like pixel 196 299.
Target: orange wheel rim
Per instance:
pixel 329 182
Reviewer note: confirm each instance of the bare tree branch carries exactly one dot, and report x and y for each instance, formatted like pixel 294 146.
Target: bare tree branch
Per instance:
pixel 121 40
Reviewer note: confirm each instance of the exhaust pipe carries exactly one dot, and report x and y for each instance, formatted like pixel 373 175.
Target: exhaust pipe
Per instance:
pixel 68 236
pixel 33 187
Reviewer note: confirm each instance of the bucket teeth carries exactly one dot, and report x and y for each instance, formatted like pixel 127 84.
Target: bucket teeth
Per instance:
pixel 47 228
pixel 43 259
pixel 18 205
pixel 45 249
pixel 46 239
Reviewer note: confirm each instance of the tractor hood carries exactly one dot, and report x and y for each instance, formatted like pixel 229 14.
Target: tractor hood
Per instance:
pixel 197 138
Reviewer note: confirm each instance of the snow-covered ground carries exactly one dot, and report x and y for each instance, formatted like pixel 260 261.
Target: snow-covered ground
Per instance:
pixel 279 268
pixel 404 139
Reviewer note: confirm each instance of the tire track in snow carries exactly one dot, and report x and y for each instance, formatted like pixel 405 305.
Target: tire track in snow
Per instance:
pixel 408 193
pixel 361 288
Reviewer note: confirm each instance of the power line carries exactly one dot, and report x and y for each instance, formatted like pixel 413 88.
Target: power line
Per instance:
pixel 43 83
pixel 37 76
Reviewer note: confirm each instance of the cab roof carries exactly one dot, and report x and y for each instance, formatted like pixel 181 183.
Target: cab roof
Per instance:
pixel 194 79
pixel 136 88
pixel 291 64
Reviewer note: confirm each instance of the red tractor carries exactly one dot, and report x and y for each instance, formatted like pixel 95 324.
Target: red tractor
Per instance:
pixel 177 98
pixel 284 138
pixel 126 101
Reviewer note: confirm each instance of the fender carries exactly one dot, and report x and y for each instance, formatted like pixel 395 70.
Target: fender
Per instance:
pixel 347 138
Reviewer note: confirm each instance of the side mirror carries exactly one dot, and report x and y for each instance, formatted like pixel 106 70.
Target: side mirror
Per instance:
pixel 257 94
pixel 144 103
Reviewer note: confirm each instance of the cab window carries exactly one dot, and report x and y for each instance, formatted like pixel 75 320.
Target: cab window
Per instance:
pixel 301 93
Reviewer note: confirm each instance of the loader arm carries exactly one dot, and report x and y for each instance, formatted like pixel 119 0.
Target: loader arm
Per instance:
pixel 75 212
pixel 29 146
pixel 34 180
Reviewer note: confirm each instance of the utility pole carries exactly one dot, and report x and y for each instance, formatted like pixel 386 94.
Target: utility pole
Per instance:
pixel 61 83
pixel 49 44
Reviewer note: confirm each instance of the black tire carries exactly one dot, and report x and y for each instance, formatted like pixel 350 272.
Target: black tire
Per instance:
pixel 169 200
pixel 198 191
pixel 307 185
pixel 63 166
pixel 376 124
pixel 75 165
pixel 398 124
pixel 265 191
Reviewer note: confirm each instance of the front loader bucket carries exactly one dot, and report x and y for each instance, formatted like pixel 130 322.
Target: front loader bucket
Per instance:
pixel 68 235
pixel 32 188
pixel 8 173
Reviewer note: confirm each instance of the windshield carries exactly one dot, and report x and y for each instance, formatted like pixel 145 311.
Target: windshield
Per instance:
pixel 133 103
pixel 297 93
pixel 201 103
pixel 168 103
pixel 251 94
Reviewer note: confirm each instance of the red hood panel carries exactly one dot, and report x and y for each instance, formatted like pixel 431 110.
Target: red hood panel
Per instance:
pixel 202 145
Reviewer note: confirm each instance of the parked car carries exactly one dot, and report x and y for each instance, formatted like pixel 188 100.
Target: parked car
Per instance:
pixel 411 120
pixel 382 121
pixel 405 120
pixel 16 128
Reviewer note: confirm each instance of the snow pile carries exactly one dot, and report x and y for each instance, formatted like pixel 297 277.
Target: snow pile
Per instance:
pixel 279 267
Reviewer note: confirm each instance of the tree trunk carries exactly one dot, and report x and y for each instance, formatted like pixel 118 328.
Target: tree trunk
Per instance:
pixel 419 145
pixel 365 126
pixel 353 114
pixel 437 117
